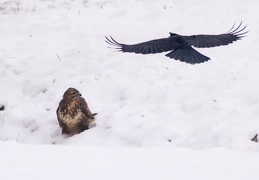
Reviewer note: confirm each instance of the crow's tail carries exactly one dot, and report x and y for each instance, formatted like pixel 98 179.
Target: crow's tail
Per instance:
pixel 188 55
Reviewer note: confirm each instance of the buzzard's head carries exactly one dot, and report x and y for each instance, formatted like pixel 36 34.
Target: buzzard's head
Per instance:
pixel 71 93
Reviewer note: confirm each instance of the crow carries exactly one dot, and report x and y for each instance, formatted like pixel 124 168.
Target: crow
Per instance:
pixel 180 47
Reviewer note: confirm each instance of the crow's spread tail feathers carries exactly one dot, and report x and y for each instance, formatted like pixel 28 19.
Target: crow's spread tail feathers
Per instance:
pixel 188 55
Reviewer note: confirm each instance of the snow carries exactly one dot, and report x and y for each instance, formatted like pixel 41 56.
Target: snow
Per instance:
pixel 92 162
pixel 157 118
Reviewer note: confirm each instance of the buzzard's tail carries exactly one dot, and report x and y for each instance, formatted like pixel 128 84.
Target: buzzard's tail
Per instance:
pixel 90 120
pixel 188 55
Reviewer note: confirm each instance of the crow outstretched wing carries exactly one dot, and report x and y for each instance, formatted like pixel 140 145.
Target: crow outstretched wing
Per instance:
pixel 149 47
pixel 207 41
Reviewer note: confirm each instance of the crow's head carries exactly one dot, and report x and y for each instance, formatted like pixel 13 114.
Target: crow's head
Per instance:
pixel 172 34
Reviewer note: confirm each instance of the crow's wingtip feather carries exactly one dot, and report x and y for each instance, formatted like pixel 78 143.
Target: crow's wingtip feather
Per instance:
pixel 237 31
pixel 112 42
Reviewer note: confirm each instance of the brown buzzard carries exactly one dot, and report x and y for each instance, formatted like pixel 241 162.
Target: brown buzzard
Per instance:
pixel 73 114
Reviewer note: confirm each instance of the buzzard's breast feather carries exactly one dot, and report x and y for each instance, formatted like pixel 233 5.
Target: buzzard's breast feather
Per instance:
pixel 67 118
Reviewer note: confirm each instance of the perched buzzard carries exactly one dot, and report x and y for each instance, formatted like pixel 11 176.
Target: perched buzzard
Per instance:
pixel 73 114
pixel 181 46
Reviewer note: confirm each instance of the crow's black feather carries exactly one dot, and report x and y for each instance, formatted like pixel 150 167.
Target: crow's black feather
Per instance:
pixel 181 46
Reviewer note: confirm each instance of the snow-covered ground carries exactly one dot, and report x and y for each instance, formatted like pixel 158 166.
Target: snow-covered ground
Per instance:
pixel 157 118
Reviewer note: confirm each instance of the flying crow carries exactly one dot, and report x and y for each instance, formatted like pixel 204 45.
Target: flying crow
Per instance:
pixel 180 47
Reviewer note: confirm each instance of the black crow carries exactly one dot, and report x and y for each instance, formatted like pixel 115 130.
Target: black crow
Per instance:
pixel 181 46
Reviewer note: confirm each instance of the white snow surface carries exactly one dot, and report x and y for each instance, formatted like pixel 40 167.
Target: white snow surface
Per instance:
pixel 158 118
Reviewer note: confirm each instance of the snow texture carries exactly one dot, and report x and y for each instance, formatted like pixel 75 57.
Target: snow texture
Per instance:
pixel 158 118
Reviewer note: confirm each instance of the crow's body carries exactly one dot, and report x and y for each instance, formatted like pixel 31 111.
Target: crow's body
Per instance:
pixel 181 46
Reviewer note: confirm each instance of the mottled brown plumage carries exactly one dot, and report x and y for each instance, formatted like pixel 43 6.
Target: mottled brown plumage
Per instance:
pixel 73 114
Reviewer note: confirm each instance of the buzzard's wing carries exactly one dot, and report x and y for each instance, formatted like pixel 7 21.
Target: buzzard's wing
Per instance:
pixel 207 41
pixel 85 109
pixel 149 47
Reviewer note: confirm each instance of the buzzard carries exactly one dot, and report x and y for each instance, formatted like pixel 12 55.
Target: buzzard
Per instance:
pixel 180 47
pixel 73 114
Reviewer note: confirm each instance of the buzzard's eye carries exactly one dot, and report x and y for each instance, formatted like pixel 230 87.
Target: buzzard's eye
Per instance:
pixel 73 93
